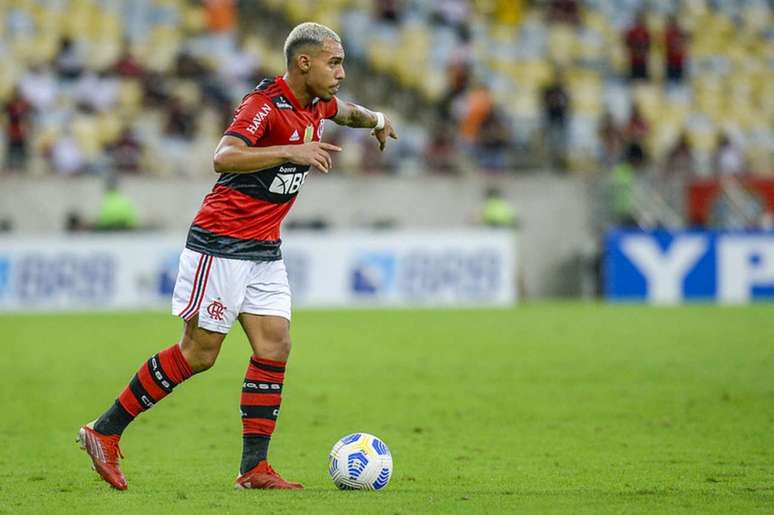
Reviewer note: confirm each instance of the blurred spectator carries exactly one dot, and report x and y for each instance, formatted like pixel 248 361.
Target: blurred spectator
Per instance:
pixel 39 87
pixel 637 38
pixel 477 104
pixel 675 43
pixel 678 168
pixel 388 10
pixel 680 160
pixel 458 73
pixel 66 157
pixel 98 91
pixel 179 131
pixel 188 66
pixel 126 153
pixel 612 140
pixel 154 88
pixel 494 142
pixel 564 11
pixel 440 153
pixel 621 187
pixel 221 18
pixel 555 104
pixel 180 121
pixel 117 211
pixel 126 65
pixel 497 211
pixel 237 71
pixel 68 62
pixel 728 159
pixel 221 15
pixel 17 129
pixel 454 14
pixel 636 132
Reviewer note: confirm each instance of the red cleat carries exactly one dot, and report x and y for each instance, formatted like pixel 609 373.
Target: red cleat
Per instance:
pixel 104 452
pixel 262 476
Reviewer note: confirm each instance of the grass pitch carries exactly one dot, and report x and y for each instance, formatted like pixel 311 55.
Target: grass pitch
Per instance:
pixel 547 407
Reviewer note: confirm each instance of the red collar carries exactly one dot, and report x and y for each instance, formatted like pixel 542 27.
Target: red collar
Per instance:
pixel 290 96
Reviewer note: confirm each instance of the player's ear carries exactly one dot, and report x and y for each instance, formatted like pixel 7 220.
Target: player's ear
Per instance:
pixel 304 62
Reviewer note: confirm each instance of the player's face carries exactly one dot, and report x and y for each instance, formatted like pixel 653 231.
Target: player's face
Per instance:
pixel 327 70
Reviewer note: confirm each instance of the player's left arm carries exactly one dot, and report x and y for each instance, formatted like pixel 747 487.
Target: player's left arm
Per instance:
pixel 353 115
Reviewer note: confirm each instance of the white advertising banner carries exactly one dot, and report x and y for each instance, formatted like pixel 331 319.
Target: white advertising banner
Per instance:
pixel 326 269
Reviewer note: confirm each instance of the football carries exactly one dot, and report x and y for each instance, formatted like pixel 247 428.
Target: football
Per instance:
pixel 360 461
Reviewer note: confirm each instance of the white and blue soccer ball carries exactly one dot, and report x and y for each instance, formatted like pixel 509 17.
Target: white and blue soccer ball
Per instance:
pixel 360 461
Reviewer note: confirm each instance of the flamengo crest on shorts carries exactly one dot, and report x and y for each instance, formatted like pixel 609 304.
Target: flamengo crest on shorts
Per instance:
pixel 240 218
pixel 215 310
pixel 218 289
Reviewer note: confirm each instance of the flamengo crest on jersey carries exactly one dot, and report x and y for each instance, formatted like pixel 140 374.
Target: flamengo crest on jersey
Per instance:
pixel 240 218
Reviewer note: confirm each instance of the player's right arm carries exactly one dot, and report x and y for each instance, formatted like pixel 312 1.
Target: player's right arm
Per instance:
pixel 233 155
pixel 239 150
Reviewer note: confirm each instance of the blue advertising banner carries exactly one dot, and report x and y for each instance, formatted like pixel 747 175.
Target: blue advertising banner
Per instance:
pixel 671 267
pixel 138 271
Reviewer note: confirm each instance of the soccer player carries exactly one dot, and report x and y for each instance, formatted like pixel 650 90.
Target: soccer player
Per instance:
pixel 231 268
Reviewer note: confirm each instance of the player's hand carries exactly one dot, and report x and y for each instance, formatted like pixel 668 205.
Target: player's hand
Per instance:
pixel 382 134
pixel 314 153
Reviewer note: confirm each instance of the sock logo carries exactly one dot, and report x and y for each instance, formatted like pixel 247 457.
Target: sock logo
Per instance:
pixel 158 374
pixel 261 386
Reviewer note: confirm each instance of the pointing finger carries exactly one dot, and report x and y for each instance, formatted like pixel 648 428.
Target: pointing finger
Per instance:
pixel 328 146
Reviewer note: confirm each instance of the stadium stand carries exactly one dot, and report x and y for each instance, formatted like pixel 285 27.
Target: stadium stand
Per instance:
pixel 146 86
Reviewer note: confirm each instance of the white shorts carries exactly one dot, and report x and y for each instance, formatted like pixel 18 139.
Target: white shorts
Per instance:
pixel 219 289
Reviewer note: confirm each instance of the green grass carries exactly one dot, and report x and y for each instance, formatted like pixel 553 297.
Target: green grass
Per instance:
pixel 546 407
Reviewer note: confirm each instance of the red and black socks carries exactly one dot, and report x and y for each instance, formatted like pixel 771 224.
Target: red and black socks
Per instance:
pixel 259 405
pixel 153 381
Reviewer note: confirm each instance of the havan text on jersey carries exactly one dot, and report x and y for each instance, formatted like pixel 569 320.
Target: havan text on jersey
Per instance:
pixel 259 117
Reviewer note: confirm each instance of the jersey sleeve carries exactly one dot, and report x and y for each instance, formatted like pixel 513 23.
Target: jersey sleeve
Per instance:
pixel 329 109
pixel 252 119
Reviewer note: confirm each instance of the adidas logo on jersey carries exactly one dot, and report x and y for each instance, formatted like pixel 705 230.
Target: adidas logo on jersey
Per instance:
pixel 294 136
pixel 287 183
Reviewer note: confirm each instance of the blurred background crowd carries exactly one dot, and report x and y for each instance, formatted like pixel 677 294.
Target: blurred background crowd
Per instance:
pixel 640 96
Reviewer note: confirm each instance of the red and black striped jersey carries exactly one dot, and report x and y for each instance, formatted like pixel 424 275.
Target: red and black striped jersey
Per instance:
pixel 240 218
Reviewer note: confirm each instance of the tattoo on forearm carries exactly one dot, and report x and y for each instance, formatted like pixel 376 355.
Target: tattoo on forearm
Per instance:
pixel 360 117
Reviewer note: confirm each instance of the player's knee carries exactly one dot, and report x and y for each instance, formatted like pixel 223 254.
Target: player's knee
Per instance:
pixel 279 350
pixel 202 359
pixel 200 348
pixel 278 346
pixel 284 346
